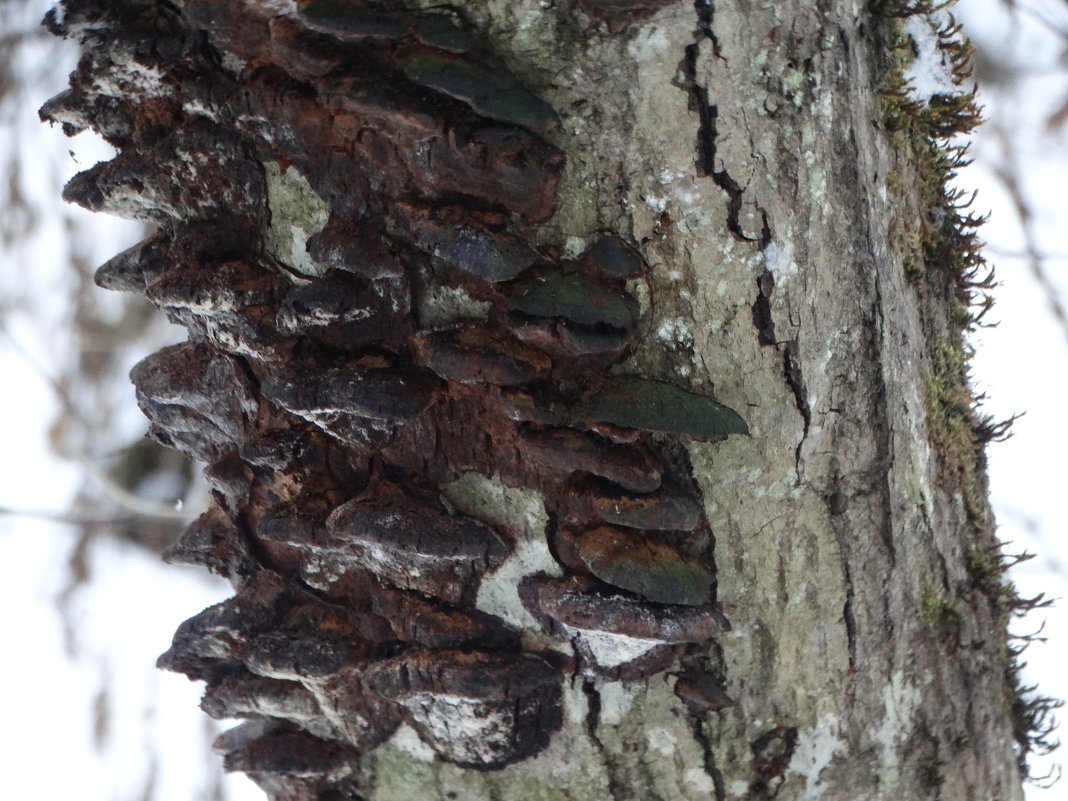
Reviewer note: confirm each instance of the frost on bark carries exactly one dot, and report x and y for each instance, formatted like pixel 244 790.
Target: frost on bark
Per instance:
pixel 461 283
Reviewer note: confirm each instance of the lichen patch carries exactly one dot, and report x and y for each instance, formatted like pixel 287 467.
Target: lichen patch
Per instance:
pixel 297 212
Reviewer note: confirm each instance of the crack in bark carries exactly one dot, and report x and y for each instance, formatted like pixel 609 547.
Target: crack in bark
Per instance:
pixel 848 616
pixel 764 321
pixel 791 368
pixel 707 131
pixel 708 756
pixel 617 788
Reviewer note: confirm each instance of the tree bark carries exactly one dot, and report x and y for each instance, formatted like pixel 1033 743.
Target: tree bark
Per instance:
pixel 461 283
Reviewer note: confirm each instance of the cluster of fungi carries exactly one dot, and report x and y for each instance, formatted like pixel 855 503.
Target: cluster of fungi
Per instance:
pixel 336 380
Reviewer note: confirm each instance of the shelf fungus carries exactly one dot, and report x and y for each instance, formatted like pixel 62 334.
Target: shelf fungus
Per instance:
pixel 492 257
pixel 615 634
pixel 477 709
pixel 199 401
pixel 135 267
pixel 416 546
pixel 293 753
pixel 350 198
pixel 575 298
pixel 664 510
pixel 635 402
pixel 565 451
pixel 643 565
pixel 489 91
pixel 473 355
pixel 213 541
pixel 354 405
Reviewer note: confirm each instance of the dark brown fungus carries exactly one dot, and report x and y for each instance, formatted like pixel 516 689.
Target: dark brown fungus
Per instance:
pixel 249 731
pixel 214 289
pixel 661 511
pixel 613 258
pixel 527 405
pixel 417 546
pixel 506 166
pixel 564 451
pixel 701 693
pixel 295 47
pixel 68 108
pixel 322 394
pixel 491 92
pixel 242 694
pixel 439 32
pixel 383 102
pixel 232 480
pixel 575 298
pixel 346 245
pixel 490 257
pixel 302 653
pixel 269 627
pixel 131 270
pixel 197 399
pixel 213 541
pixel 204 643
pixel 635 402
pixel 476 709
pixel 363 717
pixel 197 171
pixel 344 314
pixel 643 565
pixel 351 18
pixel 588 609
pixel 416 620
pixel 473 355
pixel 293 754
pixel 565 341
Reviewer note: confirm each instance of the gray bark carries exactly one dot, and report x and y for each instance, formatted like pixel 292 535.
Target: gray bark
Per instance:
pixel 791 265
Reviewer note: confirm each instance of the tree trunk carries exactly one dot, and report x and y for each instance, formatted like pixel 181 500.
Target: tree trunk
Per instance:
pixel 461 283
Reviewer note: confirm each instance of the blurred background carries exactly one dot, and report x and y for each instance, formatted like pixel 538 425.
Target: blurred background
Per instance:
pixel 87 504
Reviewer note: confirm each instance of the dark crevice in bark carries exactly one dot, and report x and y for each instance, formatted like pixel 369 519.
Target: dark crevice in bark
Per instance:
pixel 848 616
pixel 708 114
pixel 705 13
pixel 764 322
pixel 708 754
pixel 836 502
pixel 762 317
pixel 617 787
pixel 791 367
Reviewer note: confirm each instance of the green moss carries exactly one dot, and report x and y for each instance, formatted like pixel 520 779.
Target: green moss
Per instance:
pixel 952 423
pixel 941 612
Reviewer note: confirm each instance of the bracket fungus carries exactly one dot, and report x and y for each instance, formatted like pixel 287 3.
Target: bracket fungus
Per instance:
pixel 416 546
pixel 477 709
pixel 350 199
pixel 644 565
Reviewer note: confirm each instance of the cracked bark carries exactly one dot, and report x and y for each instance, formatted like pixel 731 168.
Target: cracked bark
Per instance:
pixel 385 229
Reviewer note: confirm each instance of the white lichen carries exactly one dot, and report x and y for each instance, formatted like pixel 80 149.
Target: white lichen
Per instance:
pixel 297 212
pixel 406 739
pixel 521 513
pixel 900 702
pixel 617 699
pixel 816 748
pixel 779 260
pixel 611 650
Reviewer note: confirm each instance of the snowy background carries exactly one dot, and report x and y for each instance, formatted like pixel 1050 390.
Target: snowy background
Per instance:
pixel 85 505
